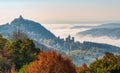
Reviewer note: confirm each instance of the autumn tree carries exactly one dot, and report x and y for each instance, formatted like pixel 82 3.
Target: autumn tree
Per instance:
pixel 51 62
pixel 23 52
pixel 83 69
pixel 18 53
pixel 5 66
pixel 5 61
pixel 108 64
pixel 2 42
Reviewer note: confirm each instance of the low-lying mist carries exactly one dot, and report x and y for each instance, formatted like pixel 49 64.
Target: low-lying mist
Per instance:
pixel 63 30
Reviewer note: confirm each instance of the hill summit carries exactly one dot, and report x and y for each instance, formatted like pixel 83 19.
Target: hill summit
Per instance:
pixel 33 29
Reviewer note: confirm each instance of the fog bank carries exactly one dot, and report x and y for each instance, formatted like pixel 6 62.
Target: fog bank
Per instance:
pixel 63 30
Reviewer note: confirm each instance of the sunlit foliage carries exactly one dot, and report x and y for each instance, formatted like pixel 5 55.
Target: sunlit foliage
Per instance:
pixel 51 62
pixel 108 64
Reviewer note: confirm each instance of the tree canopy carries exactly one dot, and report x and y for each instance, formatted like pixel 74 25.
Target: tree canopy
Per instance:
pixel 51 62
pixel 22 56
pixel 16 53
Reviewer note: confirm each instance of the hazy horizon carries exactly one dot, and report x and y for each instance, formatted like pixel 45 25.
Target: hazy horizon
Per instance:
pixel 52 12
pixel 61 11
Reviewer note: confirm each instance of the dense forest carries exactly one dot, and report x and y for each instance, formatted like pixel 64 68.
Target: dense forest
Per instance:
pixel 18 54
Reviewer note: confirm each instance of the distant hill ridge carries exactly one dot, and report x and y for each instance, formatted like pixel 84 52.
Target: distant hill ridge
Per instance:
pixel 111 30
pixel 31 28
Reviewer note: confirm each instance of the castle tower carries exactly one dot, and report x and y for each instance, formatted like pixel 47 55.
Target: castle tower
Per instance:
pixel 20 17
pixel 68 39
pixel 73 39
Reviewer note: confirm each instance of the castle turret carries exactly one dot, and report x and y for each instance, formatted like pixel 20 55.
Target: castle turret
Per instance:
pixel 68 39
pixel 73 39
pixel 20 17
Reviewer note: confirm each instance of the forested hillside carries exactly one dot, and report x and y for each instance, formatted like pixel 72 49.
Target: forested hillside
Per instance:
pixel 22 56
pixel 42 38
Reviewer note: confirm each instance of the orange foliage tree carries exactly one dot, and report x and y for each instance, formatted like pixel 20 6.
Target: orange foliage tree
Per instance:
pixel 83 69
pixel 51 62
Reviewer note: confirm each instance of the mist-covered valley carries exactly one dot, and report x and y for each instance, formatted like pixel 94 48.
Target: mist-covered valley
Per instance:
pixel 79 46
pixel 59 36
pixel 63 30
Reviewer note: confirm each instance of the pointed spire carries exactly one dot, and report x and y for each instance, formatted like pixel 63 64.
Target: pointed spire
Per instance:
pixel 69 36
pixel 20 17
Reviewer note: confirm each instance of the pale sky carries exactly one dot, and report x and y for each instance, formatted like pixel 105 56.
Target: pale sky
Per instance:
pixel 60 11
